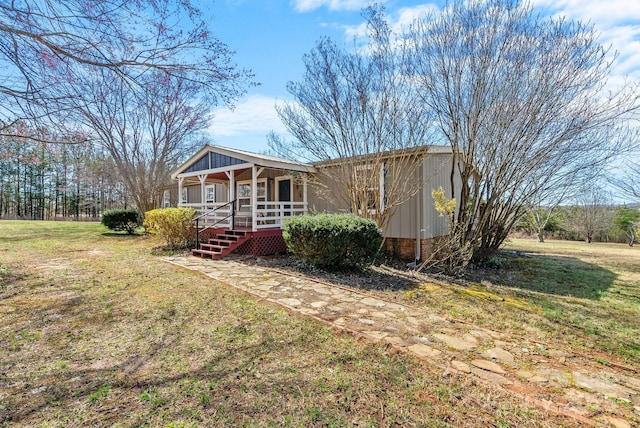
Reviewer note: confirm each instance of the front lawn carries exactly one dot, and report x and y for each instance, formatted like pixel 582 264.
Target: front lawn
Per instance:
pixel 567 294
pixel 96 331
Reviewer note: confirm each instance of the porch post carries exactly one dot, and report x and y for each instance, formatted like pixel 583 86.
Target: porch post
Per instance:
pixel 180 181
pixel 203 196
pixel 254 197
pixel 231 175
pixel 304 192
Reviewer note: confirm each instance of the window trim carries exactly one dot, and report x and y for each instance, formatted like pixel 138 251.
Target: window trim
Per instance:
pixel 259 198
pixel 208 187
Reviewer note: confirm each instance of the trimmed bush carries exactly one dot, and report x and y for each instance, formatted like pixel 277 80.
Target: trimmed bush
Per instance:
pixel 121 220
pixel 333 241
pixel 174 225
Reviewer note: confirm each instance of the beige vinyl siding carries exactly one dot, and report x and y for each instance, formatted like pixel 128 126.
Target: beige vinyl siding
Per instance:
pixel 324 192
pixel 194 195
pixel 437 172
pixel 404 221
pixel 222 192
pixel 195 192
pixel 415 218
pixel 271 175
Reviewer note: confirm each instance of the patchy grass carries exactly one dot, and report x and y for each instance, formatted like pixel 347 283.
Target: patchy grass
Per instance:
pixel 95 331
pixel 590 291
pixel 566 293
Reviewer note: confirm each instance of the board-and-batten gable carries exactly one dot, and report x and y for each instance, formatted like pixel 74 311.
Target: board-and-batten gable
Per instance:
pixel 211 160
pixel 233 159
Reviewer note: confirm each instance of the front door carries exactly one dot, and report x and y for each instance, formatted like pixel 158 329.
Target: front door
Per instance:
pixel 284 194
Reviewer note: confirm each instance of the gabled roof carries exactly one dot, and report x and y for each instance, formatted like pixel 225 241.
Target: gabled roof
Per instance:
pixel 244 158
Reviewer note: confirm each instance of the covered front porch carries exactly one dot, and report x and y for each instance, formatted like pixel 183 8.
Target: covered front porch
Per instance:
pixel 232 189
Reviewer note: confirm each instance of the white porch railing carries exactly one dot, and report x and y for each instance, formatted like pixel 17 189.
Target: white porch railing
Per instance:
pixel 269 215
pixel 274 214
pixel 221 217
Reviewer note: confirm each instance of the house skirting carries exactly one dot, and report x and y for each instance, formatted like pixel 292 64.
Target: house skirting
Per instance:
pixel 405 248
pixel 263 242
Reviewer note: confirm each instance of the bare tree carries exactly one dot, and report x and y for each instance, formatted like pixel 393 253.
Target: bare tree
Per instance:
pixel 521 100
pixel 146 133
pixel 627 180
pixel 44 45
pixel 355 111
pixel 591 214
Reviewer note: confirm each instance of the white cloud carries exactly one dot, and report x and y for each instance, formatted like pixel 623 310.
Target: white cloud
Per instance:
pixel 607 13
pixel 355 31
pixel 399 21
pixel 617 23
pixel 405 17
pixel 257 115
pixel 310 5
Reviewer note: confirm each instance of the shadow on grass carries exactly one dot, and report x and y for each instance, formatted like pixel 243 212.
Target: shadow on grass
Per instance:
pixel 557 275
pixel 122 234
pixel 373 278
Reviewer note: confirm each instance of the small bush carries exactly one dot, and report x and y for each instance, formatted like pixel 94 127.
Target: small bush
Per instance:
pixel 333 241
pixel 174 225
pixel 121 220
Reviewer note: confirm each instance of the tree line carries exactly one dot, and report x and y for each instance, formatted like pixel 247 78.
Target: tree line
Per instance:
pixel 598 222
pixel 522 100
pixel 43 181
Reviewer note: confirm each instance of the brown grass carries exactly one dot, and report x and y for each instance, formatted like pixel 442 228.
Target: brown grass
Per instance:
pixel 96 331
pixel 567 294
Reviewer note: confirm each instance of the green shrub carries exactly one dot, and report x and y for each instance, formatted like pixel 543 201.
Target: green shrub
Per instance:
pixel 174 225
pixel 121 220
pixel 333 241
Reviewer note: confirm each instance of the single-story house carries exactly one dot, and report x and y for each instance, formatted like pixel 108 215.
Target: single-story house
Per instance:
pixel 267 190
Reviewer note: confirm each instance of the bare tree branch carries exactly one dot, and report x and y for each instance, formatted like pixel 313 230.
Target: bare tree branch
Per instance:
pixel 46 44
pixel 355 111
pixel 146 133
pixel 521 100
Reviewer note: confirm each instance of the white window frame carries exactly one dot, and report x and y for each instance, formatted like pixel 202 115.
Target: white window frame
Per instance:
pixel 246 200
pixel 185 195
pixel 209 190
pixel 380 188
pixel 166 199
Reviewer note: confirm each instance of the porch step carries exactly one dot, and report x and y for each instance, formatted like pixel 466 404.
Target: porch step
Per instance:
pixel 204 253
pixel 222 244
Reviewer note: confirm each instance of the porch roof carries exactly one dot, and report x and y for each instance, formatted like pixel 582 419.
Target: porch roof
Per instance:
pixel 244 160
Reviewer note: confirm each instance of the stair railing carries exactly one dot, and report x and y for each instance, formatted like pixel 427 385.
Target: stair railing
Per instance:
pixel 210 212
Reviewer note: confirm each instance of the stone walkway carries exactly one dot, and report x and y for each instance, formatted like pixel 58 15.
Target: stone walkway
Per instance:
pixel 570 384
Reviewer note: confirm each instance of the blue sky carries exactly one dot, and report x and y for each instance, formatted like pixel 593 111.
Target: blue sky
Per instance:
pixel 271 36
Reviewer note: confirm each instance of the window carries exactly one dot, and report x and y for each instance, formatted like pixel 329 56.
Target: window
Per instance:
pixel 210 194
pixel 166 199
pixel 369 182
pixel 185 195
pixel 244 193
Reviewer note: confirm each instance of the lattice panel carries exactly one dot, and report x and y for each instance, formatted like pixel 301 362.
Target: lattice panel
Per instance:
pixel 245 247
pixel 268 245
pixel 262 245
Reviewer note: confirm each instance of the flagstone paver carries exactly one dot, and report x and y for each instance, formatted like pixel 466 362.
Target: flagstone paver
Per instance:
pixel 578 386
pixel 500 355
pixel 457 343
pixel 489 366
